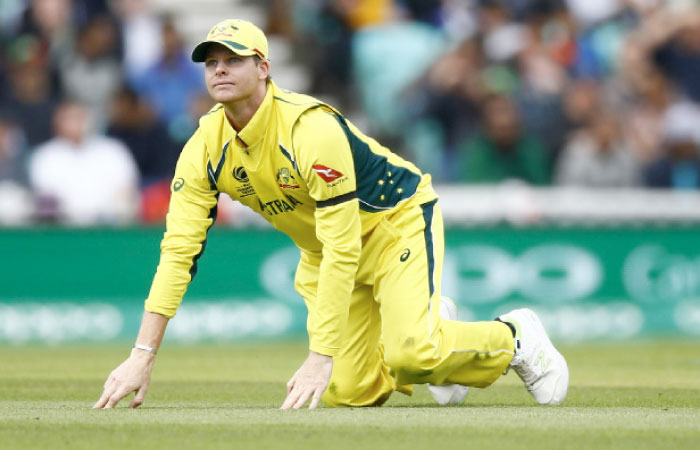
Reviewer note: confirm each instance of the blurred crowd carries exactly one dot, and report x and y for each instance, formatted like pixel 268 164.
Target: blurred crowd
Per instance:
pixel 97 97
pixel 589 93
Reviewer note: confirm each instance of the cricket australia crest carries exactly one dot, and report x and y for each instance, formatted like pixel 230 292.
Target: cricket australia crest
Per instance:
pixel 286 180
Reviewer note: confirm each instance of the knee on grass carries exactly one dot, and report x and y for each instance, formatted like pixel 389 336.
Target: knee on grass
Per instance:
pixel 348 392
pixel 410 364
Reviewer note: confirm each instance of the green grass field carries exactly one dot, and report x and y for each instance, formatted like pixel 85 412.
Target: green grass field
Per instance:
pixel 637 395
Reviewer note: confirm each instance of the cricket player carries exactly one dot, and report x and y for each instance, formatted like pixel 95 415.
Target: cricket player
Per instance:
pixel 370 233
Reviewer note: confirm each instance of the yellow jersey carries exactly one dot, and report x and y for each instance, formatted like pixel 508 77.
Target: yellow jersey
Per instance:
pixel 310 173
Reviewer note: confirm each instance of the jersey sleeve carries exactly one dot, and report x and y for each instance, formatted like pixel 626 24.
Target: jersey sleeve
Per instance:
pixel 191 213
pixel 325 161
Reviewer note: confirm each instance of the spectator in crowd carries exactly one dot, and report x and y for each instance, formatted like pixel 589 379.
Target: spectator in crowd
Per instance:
pixel 407 46
pixel 141 39
pixel 542 90
pixel 92 74
pixel 581 100
pixel 445 103
pixel 172 84
pixel 52 23
pixel 502 37
pixel 12 152
pixel 679 55
pixel 29 99
pixel 679 166
pixel 503 150
pixel 135 124
pixel 15 199
pixel 557 88
pixel 88 179
pixel 598 157
pixel 645 112
pixel 327 27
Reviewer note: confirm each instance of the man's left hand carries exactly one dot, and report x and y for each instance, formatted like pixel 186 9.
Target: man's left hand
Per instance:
pixel 310 381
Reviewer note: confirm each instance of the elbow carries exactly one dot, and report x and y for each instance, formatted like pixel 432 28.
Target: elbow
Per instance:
pixel 355 250
pixel 344 259
pixel 348 253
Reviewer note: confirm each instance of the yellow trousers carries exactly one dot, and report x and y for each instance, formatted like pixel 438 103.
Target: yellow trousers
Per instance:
pixel 395 336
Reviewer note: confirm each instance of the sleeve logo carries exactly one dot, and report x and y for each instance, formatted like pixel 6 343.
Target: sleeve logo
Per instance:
pixel 327 173
pixel 178 183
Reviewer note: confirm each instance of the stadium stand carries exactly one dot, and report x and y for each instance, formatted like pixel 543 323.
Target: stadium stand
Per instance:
pixel 596 103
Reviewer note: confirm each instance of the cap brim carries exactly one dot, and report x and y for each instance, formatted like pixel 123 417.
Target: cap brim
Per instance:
pixel 199 54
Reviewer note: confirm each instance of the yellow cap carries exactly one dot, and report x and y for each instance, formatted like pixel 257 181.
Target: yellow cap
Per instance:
pixel 239 36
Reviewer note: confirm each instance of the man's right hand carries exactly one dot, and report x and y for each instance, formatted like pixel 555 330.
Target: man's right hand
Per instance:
pixel 134 374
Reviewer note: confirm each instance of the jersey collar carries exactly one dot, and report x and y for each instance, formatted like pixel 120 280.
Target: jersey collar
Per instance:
pixel 259 124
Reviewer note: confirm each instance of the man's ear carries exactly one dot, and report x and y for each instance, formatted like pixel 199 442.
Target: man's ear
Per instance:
pixel 263 69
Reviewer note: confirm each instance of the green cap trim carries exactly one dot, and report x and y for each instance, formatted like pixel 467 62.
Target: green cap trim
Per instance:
pixel 199 53
pixel 235 45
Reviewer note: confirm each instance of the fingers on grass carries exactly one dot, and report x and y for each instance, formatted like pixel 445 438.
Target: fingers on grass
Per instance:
pixel 139 397
pixel 102 401
pixel 116 397
pixel 288 402
pixel 290 384
pixel 292 398
pixel 302 398
pixel 316 398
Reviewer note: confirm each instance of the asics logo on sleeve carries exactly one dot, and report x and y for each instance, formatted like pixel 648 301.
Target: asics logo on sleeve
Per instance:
pixel 326 173
pixel 178 183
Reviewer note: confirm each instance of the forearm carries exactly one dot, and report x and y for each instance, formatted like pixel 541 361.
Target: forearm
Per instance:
pixel 336 280
pixel 152 329
pixel 182 243
pixel 190 215
pixel 339 229
pixel 134 374
pixel 337 219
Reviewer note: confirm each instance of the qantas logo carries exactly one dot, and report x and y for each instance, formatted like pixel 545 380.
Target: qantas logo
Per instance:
pixel 327 173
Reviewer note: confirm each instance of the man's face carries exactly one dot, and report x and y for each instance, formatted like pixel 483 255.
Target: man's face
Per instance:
pixel 231 77
pixel 71 122
pixel 502 121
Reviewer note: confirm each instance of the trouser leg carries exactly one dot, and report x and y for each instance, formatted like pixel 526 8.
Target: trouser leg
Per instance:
pixel 360 377
pixel 420 347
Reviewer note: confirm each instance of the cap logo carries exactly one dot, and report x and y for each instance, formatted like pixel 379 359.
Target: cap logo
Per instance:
pixel 221 30
pixel 239 36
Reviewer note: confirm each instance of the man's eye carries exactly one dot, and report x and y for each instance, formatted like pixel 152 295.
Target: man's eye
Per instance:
pixel 234 59
pixel 210 63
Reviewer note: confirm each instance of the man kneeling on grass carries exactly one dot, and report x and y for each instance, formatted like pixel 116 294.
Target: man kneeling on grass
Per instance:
pixel 370 232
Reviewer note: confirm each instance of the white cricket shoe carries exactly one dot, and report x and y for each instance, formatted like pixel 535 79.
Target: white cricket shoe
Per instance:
pixel 541 367
pixel 448 394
